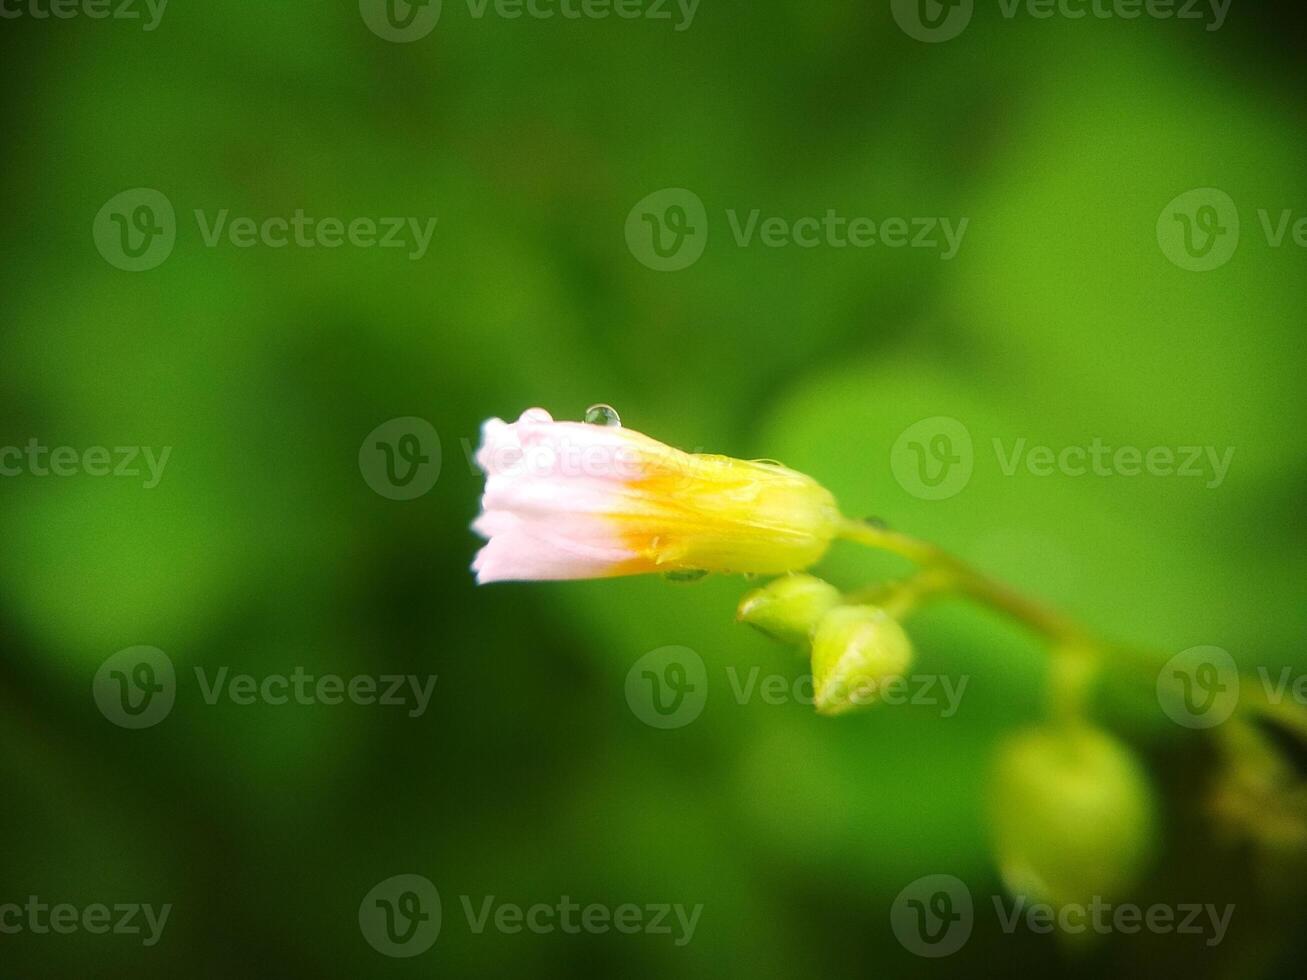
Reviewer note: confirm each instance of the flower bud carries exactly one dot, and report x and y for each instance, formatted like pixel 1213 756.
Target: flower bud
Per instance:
pixel 855 649
pixel 1071 815
pixel 789 607
pixel 573 500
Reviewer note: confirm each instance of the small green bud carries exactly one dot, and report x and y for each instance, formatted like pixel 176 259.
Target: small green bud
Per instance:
pixel 855 649
pixel 789 607
pixel 1071 814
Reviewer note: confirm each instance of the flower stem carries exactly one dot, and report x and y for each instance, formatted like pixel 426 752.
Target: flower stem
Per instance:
pixel 942 573
pixel 1076 655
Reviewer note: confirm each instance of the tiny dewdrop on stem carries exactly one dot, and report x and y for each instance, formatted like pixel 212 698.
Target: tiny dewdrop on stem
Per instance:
pixel 1071 811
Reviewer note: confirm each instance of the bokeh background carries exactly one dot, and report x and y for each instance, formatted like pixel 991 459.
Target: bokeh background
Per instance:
pixel 531 777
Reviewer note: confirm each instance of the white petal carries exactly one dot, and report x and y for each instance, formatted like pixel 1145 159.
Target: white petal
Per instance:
pixel 559 548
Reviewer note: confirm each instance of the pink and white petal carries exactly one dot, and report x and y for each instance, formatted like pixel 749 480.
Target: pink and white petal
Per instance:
pixel 556 495
pixel 536 447
pixel 501 442
pixel 560 549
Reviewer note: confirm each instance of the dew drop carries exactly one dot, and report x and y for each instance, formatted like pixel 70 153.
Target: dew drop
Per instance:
pixel 685 575
pixel 603 415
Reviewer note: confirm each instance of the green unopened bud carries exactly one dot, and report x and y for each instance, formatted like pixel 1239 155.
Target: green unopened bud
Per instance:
pixel 855 650
pixel 1071 814
pixel 789 607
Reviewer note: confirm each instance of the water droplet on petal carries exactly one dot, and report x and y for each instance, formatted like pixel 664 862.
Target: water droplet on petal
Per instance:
pixel 603 415
pixel 685 575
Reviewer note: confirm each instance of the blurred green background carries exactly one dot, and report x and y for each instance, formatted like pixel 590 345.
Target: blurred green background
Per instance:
pixel 263 548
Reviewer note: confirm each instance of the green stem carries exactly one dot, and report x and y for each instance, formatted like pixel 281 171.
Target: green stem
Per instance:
pixel 1076 655
pixel 942 573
